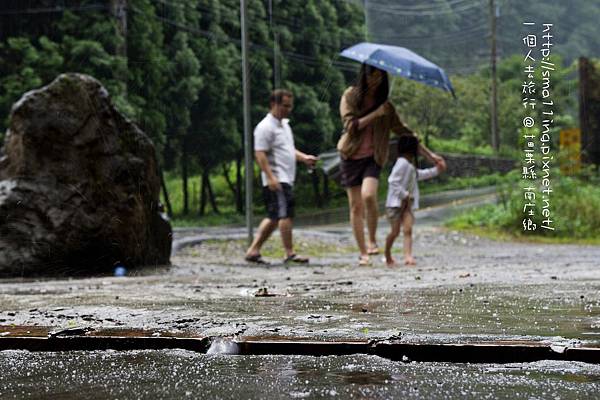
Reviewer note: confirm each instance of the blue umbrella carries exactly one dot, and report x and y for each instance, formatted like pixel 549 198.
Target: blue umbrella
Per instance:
pixel 401 62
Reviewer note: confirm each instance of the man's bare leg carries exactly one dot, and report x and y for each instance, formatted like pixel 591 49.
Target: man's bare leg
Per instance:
pixel 265 229
pixel 285 228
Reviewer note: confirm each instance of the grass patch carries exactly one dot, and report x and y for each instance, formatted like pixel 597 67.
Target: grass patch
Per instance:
pixel 312 247
pixel 210 219
pixel 305 203
pixel 574 207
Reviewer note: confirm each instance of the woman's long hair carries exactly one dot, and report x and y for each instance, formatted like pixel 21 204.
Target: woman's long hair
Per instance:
pixel 361 87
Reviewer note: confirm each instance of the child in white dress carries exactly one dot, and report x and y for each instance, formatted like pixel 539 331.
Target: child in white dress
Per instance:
pixel 403 196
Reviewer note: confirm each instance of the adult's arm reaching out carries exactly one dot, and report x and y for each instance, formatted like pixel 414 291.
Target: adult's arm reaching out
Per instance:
pixel 307 159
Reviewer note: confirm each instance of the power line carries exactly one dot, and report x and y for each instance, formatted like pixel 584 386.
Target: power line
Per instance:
pixel 57 9
pixel 299 57
pixel 448 10
pixel 236 41
pixel 319 64
pixel 306 59
pixel 449 35
pixel 450 43
pixel 292 24
pixel 346 40
pixel 421 7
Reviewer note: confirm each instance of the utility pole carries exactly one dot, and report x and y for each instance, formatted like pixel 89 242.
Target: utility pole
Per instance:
pixel 249 170
pixel 584 69
pixel 118 9
pixel 366 11
pixel 276 66
pixel 494 91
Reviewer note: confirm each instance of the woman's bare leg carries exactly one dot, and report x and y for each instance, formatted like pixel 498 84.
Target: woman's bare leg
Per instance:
pixel 369 197
pixel 357 213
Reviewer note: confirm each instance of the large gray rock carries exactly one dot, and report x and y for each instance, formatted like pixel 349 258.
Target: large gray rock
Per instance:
pixel 79 185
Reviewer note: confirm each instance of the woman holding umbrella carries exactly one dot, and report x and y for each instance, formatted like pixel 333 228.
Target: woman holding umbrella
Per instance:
pixel 368 118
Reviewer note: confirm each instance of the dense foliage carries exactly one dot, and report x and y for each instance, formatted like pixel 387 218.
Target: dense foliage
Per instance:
pixel 177 73
pixel 180 75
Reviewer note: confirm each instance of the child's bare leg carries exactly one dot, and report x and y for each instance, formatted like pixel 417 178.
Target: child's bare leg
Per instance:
pixel 389 241
pixel 407 225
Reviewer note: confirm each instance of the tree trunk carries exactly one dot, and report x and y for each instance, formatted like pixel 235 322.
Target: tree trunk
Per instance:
pixel 315 184
pixel 194 196
pixel 211 196
pixel 202 195
pixel 165 194
pixel 202 209
pixel 325 188
pixel 229 182
pixel 238 184
pixel 184 176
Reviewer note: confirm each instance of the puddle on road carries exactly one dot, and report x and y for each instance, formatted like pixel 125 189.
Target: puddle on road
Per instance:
pixel 175 374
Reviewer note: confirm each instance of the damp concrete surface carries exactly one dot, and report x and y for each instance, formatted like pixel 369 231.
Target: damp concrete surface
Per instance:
pixel 176 374
pixel 464 289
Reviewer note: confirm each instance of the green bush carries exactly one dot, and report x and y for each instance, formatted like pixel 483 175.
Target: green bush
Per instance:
pixel 574 207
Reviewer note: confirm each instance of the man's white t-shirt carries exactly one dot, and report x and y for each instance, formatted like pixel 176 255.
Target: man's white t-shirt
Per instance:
pixel 275 138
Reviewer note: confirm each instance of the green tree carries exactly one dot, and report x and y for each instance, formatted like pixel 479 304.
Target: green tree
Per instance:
pixel 185 82
pixel 213 131
pixel 93 51
pixel 25 65
pixel 148 70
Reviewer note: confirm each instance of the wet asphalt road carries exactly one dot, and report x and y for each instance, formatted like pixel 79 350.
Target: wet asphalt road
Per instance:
pixel 464 288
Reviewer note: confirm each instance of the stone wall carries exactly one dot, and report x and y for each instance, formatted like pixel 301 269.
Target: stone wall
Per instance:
pixel 475 165
pixel 460 165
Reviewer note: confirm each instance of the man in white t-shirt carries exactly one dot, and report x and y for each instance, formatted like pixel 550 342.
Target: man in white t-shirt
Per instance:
pixel 276 156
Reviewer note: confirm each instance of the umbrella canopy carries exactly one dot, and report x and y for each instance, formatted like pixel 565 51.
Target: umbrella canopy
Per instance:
pixel 401 62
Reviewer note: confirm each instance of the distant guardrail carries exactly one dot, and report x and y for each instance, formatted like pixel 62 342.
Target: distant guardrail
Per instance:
pixel 459 165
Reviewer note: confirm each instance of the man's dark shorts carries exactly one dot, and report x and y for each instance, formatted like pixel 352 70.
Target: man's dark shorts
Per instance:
pixel 279 204
pixel 354 171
